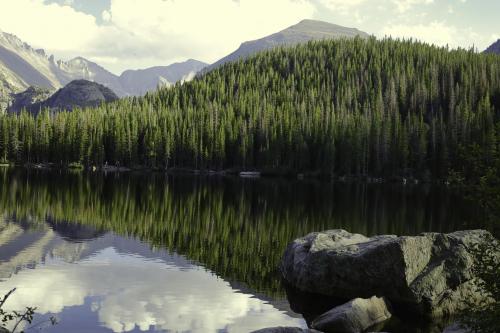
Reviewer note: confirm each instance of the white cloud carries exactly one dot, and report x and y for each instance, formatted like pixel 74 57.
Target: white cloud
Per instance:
pixel 140 33
pixel 52 26
pixel 106 16
pixel 404 5
pixel 437 33
pixel 434 33
pixel 342 7
pixel 129 291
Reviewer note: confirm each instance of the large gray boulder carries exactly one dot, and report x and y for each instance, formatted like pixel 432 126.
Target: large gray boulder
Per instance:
pixel 353 317
pixel 429 274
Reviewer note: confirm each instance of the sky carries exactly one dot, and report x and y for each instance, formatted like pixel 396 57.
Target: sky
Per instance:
pixel 132 34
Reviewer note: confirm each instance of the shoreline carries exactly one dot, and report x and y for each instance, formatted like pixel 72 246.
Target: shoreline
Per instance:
pixel 235 172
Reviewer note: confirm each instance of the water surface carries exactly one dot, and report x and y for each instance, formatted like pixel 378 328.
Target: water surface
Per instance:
pixel 152 253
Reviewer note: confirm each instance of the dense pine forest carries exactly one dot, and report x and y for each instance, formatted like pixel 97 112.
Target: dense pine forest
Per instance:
pixel 344 107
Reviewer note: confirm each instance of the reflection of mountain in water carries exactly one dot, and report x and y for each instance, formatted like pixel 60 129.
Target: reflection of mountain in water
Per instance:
pixel 72 242
pixel 25 245
pixel 73 268
pixel 20 249
pixel 69 242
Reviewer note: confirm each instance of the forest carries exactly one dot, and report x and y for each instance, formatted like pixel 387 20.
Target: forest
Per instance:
pixel 338 107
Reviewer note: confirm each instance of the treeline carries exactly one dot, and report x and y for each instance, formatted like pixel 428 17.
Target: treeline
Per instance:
pixel 363 107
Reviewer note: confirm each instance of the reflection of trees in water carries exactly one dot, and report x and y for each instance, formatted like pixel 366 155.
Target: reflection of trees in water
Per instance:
pixel 237 228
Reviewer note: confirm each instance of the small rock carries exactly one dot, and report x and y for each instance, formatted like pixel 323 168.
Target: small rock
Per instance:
pixel 353 317
pixel 286 330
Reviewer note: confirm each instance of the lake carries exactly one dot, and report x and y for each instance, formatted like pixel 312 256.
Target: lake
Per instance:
pixel 156 253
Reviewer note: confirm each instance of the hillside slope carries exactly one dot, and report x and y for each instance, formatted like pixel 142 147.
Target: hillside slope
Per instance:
pixel 494 48
pixel 301 32
pixel 25 65
pixel 79 93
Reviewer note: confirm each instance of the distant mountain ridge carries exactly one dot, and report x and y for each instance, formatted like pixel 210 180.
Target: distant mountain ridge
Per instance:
pixel 301 32
pixel 22 66
pixel 138 82
pixel 494 48
pixel 91 71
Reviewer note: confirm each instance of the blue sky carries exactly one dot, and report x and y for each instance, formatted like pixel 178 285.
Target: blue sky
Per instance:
pixel 122 34
pixel 92 7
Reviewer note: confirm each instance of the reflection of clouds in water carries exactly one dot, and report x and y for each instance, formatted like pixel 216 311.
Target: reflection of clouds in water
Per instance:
pixel 134 292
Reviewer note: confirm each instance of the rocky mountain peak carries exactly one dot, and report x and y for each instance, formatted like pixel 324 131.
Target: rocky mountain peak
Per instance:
pixel 494 48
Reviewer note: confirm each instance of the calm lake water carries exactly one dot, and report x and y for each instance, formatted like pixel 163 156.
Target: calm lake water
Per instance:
pixel 152 253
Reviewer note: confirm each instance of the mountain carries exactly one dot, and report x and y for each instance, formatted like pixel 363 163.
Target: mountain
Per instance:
pixel 333 107
pixel 138 82
pixel 22 66
pixel 77 93
pixel 26 99
pixel 81 68
pixel 302 32
pixel 6 89
pixel 134 82
pixel 494 48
